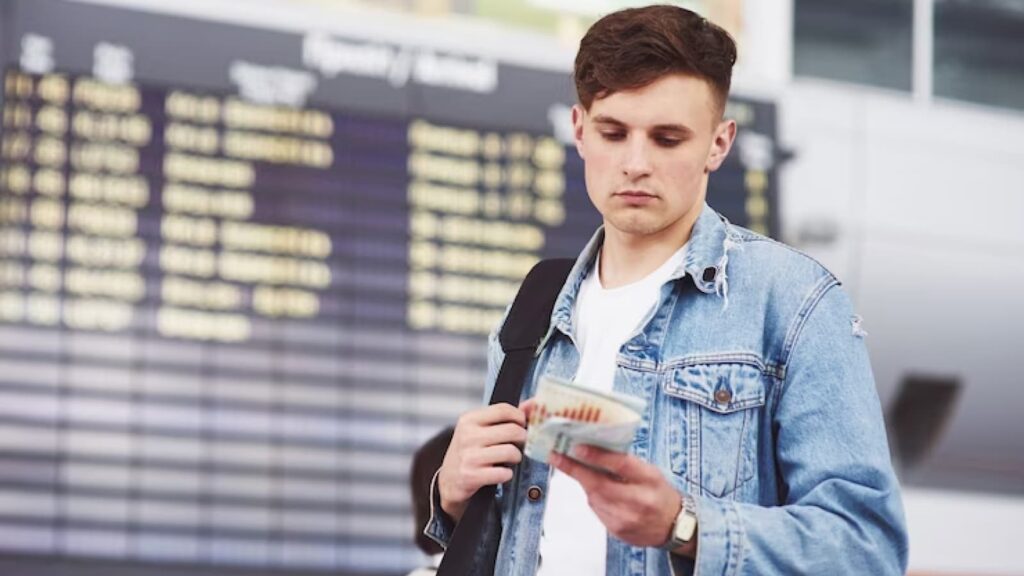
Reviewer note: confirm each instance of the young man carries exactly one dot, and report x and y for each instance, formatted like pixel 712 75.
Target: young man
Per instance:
pixel 763 449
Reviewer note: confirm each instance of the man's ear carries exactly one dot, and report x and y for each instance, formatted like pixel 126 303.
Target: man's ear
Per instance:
pixel 725 135
pixel 578 115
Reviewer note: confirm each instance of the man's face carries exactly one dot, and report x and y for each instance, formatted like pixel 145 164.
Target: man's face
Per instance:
pixel 648 153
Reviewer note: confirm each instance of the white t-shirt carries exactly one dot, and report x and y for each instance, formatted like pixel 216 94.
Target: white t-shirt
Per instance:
pixel 573 540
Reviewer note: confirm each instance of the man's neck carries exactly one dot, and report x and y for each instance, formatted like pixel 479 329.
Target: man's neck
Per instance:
pixel 627 258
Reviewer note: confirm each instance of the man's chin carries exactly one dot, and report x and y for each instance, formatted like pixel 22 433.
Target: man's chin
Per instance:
pixel 634 224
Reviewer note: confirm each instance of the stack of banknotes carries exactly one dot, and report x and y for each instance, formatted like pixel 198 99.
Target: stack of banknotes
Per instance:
pixel 566 414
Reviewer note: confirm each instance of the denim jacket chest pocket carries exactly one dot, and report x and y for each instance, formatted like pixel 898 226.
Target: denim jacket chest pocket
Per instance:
pixel 714 411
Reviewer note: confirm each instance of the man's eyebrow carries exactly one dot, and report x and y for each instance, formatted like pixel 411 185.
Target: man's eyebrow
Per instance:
pixel 679 128
pixel 602 119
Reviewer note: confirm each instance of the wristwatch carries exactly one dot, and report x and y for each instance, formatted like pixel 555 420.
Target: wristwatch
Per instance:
pixel 685 527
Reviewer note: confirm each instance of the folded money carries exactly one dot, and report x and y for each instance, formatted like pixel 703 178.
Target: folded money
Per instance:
pixel 567 414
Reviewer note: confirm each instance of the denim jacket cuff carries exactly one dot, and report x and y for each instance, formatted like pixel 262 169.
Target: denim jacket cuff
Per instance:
pixel 440 526
pixel 720 541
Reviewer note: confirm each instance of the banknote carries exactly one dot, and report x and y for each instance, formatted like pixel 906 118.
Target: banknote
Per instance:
pixel 566 414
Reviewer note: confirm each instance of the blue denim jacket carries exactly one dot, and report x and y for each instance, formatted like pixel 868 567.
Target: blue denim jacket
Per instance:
pixel 761 406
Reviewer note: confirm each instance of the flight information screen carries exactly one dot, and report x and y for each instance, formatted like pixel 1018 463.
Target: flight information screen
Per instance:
pixel 240 287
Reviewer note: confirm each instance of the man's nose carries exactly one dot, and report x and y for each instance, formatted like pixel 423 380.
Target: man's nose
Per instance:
pixel 637 162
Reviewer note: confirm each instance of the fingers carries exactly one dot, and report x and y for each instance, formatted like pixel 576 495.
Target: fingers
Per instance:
pixel 455 491
pixel 499 434
pixel 487 476
pixel 478 467
pixel 494 414
pixel 500 427
pixel 592 481
pixel 502 454
pixel 528 406
pixel 484 446
pixel 638 509
pixel 622 465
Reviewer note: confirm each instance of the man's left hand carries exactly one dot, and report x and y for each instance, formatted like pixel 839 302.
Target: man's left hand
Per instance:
pixel 634 500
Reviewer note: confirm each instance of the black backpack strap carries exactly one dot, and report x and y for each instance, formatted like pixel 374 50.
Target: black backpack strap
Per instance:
pixel 474 545
pixel 527 323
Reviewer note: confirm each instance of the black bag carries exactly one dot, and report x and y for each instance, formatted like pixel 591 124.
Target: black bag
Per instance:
pixel 474 545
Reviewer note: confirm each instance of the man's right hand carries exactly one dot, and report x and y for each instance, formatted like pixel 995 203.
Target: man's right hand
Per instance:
pixel 486 443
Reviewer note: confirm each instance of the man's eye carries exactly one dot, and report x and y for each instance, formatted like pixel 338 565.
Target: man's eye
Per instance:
pixel 613 135
pixel 668 142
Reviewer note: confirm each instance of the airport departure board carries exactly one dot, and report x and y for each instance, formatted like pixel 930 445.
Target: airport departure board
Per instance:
pixel 243 279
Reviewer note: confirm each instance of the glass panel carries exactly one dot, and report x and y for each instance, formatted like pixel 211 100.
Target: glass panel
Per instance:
pixel 866 41
pixel 979 51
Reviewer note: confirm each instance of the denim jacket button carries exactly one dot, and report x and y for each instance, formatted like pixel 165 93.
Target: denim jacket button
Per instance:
pixel 534 493
pixel 723 396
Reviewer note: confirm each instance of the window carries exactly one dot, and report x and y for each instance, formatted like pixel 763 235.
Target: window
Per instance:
pixel 863 41
pixel 979 51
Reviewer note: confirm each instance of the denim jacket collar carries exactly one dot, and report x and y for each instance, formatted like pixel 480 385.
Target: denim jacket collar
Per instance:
pixel 705 263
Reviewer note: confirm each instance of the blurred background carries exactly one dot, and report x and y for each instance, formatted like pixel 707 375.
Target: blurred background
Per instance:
pixel 250 251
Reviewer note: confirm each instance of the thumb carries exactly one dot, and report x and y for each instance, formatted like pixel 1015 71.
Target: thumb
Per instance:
pixel 528 406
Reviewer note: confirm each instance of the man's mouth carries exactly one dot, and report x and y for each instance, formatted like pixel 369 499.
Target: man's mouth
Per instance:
pixel 634 194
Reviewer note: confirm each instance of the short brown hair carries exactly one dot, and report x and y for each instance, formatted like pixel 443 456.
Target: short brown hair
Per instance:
pixel 631 48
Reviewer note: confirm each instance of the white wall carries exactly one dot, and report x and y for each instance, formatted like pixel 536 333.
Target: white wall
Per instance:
pixel 958 533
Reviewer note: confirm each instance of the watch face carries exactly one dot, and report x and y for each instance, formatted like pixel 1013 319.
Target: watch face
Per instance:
pixel 686 525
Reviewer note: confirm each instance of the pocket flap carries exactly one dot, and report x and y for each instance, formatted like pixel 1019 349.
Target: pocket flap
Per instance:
pixel 722 388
